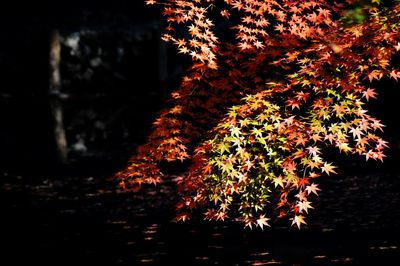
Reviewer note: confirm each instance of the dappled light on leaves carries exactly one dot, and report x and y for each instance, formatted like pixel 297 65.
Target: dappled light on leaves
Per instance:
pixel 257 116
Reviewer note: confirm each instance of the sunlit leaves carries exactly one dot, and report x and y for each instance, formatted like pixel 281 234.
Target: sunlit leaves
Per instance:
pixel 304 206
pixel 313 188
pixel 298 220
pixel 328 168
pixel 369 93
pixel 256 118
pixel 257 21
pixel 262 221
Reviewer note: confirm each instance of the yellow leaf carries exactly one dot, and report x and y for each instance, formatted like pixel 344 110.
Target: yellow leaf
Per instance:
pixel 262 221
pixel 298 220
pixel 328 168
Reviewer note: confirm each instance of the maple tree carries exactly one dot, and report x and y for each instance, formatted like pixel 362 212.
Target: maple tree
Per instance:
pixel 256 113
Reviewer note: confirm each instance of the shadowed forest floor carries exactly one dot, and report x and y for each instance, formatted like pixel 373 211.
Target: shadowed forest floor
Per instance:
pixel 78 218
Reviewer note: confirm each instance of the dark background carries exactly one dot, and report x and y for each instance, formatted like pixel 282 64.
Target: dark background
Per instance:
pixel 111 81
pixel 114 80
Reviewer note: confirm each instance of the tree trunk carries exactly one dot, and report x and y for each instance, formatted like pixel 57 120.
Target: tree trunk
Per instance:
pixel 55 101
pixel 162 65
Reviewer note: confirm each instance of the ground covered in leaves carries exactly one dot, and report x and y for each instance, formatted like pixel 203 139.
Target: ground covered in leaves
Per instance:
pixel 75 216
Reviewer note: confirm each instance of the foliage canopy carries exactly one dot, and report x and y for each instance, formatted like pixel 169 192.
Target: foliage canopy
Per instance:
pixel 257 112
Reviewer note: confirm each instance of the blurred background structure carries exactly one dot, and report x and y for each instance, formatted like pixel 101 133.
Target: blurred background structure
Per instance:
pixel 80 79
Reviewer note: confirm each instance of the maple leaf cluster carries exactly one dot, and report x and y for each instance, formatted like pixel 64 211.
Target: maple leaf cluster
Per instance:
pixel 253 20
pixel 256 116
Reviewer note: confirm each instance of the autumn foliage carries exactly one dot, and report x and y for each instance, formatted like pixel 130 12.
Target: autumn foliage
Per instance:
pixel 274 86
